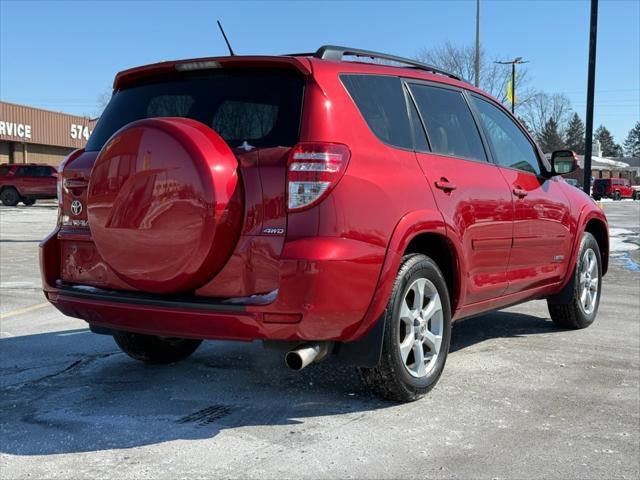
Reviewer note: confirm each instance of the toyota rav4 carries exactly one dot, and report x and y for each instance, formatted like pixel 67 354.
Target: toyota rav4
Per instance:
pixel 321 204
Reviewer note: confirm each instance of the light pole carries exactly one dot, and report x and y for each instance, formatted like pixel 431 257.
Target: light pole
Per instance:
pixel 477 62
pixel 513 63
pixel 591 80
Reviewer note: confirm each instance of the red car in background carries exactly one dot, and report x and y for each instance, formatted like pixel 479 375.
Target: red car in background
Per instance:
pixel 615 188
pixel 324 206
pixel 26 183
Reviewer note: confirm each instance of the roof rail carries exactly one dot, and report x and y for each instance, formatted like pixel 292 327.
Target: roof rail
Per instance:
pixel 334 52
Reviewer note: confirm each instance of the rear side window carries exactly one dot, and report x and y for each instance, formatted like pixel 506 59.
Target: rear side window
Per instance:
pixel 261 107
pixel 4 170
pixel 382 103
pixel 450 125
pixel 510 146
pixel 42 171
pixel 24 172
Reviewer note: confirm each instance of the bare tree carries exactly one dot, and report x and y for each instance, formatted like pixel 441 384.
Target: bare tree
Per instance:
pixel 541 107
pixel 101 103
pixel 460 60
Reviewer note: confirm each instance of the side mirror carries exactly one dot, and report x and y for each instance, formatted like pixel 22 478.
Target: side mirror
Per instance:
pixel 564 161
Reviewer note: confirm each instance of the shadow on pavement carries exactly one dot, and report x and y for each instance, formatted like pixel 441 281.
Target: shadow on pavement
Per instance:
pixel 497 325
pixel 74 391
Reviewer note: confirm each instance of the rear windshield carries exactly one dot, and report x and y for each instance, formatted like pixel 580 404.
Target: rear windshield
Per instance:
pixel 260 107
pixel 604 181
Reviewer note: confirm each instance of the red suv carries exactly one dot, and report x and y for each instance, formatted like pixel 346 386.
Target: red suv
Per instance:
pixel 26 183
pixel 324 206
pixel 616 188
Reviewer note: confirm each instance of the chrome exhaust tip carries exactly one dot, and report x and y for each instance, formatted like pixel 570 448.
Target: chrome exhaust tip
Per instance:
pixel 306 354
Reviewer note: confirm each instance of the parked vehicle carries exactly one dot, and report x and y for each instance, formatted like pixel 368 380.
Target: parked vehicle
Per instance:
pixel 615 188
pixel 26 183
pixel 324 206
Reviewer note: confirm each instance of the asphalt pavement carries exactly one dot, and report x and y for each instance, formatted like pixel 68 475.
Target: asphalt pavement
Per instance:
pixel 519 398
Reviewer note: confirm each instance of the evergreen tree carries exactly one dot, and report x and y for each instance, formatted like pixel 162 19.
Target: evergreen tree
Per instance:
pixel 550 139
pixel 632 143
pixel 574 136
pixel 609 147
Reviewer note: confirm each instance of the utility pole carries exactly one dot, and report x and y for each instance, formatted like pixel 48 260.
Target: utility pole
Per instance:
pixel 591 80
pixel 477 64
pixel 513 63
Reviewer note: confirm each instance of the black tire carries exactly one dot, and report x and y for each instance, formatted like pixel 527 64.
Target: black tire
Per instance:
pixel 616 195
pixel 390 379
pixel 596 198
pixel 28 201
pixel 636 195
pixel 10 197
pixel 565 308
pixel 152 349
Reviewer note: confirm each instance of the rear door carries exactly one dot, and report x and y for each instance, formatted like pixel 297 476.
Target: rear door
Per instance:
pixel 541 229
pixel 472 196
pixel 26 181
pixel 45 181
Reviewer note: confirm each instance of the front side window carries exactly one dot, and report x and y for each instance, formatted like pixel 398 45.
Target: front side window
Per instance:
pixel 449 123
pixel 381 102
pixel 511 148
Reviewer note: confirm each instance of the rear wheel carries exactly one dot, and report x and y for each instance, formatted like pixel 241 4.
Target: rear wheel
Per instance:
pixel 616 195
pixel 152 349
pixel 9 197
pixel 582 295
pixel 417 333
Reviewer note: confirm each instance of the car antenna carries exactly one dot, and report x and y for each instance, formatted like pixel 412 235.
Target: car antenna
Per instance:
pixel 225 39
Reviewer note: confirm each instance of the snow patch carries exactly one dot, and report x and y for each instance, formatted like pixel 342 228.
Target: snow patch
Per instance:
pixel 619 245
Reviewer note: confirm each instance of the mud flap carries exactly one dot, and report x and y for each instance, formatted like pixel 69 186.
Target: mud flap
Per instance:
pixel 565 296
pixel 365 352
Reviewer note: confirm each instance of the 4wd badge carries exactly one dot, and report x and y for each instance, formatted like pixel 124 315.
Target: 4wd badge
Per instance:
pixel 273 231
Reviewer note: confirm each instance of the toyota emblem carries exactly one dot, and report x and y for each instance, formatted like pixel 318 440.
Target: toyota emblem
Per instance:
pixel 76 207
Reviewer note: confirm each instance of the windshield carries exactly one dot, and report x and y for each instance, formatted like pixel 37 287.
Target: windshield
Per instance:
pixel 260 107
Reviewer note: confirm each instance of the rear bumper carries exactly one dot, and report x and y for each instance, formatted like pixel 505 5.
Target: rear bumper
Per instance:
pixel 325 290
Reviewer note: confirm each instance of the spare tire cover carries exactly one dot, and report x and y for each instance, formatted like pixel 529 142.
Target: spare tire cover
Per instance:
pixel 164 204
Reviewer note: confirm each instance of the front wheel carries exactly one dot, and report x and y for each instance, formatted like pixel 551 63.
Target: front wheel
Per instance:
pixel 28 201
pixel 581 298
pixel 417 333
pixel 152 349
pixel 616 195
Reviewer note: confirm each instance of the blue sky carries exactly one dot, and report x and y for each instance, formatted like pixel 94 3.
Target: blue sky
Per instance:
pixel 63 55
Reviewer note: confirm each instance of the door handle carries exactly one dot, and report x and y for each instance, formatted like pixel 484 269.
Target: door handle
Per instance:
pixel 519 192
pixel 445 185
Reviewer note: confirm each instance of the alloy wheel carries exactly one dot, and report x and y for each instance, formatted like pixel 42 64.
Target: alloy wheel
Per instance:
pixel 421 327
pixel 589 281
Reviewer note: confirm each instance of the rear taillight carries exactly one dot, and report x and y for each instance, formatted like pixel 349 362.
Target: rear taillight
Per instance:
pixel 314 169
pixel 60 177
